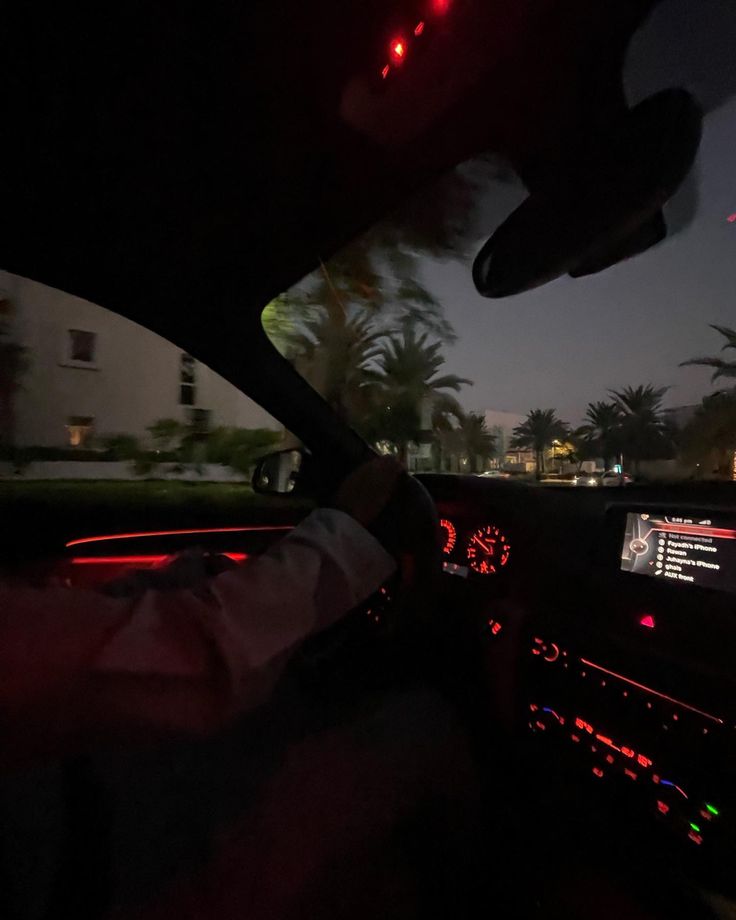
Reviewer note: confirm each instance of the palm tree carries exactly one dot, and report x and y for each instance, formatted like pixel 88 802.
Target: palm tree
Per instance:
pixel 335 355
pixel 722 368
pixel 644 434
pixel 477 441
pixel 407 382
pixel 537 432
pixel 709 439
pixel 380 272
pixel 600 430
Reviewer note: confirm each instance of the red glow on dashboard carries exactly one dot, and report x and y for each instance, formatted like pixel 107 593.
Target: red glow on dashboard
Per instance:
pixel 731 218
pixel 119 560
pixel 487 550
pixel 418 29
pixel 648 621
pixel 450 536
pixel 646 689
pixel 176 533
pixel 608 741
pixel 140 560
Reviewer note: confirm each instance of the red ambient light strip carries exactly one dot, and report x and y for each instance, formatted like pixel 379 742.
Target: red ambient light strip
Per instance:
pixel 662 696
pixel 176 533
pixel 140 560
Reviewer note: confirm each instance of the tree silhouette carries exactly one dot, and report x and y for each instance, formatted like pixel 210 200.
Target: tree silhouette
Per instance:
pixel 600 433
pixel 709 439
pixel 477 441
pixel 644 434
pixel 537 432
pixel 407 381
pixel 722 368
pixel 336 354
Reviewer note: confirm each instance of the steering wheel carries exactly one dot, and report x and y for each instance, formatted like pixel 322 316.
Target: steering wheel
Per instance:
pixel 391 633
pixel 409 528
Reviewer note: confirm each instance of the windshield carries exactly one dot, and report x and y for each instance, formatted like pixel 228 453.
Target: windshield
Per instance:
pixel 618 376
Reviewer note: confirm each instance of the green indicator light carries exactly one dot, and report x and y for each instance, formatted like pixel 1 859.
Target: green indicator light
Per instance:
pixel 712 810
pixel 695 827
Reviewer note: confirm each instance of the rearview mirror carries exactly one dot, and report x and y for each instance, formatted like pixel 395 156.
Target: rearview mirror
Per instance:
pixel 600 205
pixel 278 473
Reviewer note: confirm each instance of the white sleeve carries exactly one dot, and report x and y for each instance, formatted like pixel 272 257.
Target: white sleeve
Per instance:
pixel 80 663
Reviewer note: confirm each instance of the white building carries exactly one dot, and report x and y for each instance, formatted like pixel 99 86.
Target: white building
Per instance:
pixel 92 372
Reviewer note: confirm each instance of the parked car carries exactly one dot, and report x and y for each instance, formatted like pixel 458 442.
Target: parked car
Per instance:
pixel 587 479
pixel 612 478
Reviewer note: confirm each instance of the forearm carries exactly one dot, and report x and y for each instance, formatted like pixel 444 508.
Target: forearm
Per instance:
pixel 184 661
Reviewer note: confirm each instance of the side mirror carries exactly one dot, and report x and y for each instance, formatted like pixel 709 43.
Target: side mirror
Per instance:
pixel 278 473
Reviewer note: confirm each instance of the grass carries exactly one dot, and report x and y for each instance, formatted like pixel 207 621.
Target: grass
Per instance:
pixel 113 493
pixel 40 516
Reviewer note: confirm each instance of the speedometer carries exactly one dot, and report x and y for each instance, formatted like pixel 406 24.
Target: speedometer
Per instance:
pixel 487 550
pixel 449 536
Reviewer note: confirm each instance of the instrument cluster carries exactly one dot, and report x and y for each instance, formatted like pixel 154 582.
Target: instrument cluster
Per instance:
pixel 483 549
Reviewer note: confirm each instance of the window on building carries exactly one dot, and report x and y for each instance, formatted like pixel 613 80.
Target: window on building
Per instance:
pixel 82 346
pixel 187 381
pixel 79 429
pixel 200 421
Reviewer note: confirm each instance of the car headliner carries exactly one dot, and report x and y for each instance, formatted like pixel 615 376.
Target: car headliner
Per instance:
pixel 183 163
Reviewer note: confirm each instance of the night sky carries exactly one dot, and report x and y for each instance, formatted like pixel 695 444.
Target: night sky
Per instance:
pixel 565 344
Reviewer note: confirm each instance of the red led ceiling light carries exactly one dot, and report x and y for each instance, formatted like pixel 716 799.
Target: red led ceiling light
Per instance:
pixel 440 7
pixel 398 49
pixel 418 29
pixel 648 621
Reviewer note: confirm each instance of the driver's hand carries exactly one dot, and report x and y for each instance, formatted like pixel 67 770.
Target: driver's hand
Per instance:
pixel 365 493
pixel 187 571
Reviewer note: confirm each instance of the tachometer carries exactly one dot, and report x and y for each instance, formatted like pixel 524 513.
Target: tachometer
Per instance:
pixel 487 550
pixel 449 535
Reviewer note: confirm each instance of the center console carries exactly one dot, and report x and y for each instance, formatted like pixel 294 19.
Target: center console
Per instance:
pixel 633 696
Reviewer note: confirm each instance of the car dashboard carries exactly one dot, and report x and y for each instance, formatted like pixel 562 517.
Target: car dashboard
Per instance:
pixel 609 634
pixel 601 627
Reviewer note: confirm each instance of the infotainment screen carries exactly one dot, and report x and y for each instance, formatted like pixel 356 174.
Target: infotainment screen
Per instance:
pixel 690 550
